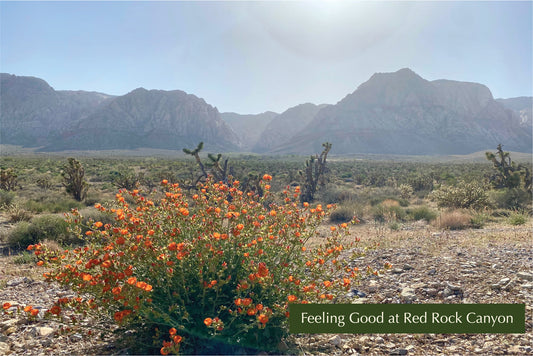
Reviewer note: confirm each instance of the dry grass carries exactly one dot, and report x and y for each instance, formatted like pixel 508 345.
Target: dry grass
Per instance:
pixel 454 220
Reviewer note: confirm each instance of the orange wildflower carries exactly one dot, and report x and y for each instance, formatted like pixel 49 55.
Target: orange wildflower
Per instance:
pixel 291 298
pixel 263 319
pixel 6 305
pixel 208 321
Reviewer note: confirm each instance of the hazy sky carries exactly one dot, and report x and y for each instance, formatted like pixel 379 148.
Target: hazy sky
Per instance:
pixel 250 57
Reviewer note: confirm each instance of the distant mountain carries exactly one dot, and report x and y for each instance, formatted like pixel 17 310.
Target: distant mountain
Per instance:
pixel 284 126
pixel 522 106
pixel 150 119
pixel 402 113
pixel 248 127
pixel 391 113
pixel 33 114
pixel 32 111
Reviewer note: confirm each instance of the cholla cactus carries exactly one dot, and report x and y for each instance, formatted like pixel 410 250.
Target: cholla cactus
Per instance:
pixel 73 181
pixel 315 173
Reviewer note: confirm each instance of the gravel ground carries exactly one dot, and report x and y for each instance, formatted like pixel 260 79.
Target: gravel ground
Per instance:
pixel 491 265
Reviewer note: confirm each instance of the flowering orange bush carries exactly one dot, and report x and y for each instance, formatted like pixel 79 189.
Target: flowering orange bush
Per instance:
pixel 214 268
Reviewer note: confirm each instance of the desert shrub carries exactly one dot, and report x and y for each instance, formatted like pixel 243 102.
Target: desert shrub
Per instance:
pixel 389 210
pixel 17 213
pixel 422 213
pixel 50 202
pixel 6 197
pixel 207 273
pixel 335 195
pixel 479 219
pixel 454 220
pixel 406 191
pixel 341 215
pixel 44 181
pixel 465 195
pixel 51 227
pixel 517 218
pixel 510 198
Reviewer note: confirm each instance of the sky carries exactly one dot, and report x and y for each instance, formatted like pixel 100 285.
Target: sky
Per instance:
pixel 255 56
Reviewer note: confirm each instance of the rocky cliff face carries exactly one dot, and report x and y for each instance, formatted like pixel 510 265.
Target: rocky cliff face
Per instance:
pixel 522 106
pixel 402 113
pixel 285 126
pixel 33 114
pixel 152 119
pixel 32 111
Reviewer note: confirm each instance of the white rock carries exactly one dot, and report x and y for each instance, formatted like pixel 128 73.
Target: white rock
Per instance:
pixel 335 341
pixel 4 348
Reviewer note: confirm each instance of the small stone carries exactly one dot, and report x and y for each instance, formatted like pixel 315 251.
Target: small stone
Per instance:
pixel 407 267
pixel 335 341
pixel 525 276
pixel 432 292
pixel 43 331
pixel 527 286
pixel 10 330
pixel 397 270
pixel 372 286
pixel 4 348
pixel 398 352
pixel 408 295
pixel 16 281
pixel 504 281
pixel 432 271
pixel 379 340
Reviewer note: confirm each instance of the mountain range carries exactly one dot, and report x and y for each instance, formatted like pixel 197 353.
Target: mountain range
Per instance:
pixel 391 113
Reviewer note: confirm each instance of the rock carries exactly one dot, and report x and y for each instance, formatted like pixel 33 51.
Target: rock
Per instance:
pixel 379 340
pixel 19 280
pixel 397 270
pixel 407 267
pixel 527 286
pixel 398 352
pixel 372 286
pixel 335 341
pixel 4 348
pixel 408 295
pixel 43 331
pixel 432 292
pixel 504 281
pixel 525 276
pixel 452 290
pixel 432 271
pixel 10 330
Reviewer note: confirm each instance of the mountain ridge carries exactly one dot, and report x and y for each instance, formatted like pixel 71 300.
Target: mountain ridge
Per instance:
pixel 391 113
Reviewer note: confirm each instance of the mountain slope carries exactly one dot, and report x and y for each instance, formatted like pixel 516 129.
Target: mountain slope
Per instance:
pixel 32 111
pixel 402 113
pixel 522 106
pixel 150 119
pixel 248 127
pixel 285 125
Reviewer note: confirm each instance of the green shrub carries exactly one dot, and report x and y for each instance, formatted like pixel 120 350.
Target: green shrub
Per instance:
pixel 511 198
pixel 470 195
pixel 341 214
pixel 40 228
pixel 422 213
pixel 517 218
pixel 6 197
pixel 389 210
pixel 16 213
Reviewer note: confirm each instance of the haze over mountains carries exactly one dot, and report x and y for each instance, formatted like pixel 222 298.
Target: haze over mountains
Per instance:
pixel 391 113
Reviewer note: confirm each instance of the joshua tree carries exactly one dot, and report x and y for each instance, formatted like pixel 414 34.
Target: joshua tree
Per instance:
pixel 509 174
pixel 219 171
pixel 8 179
pixel 314 173
pixel 73 180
